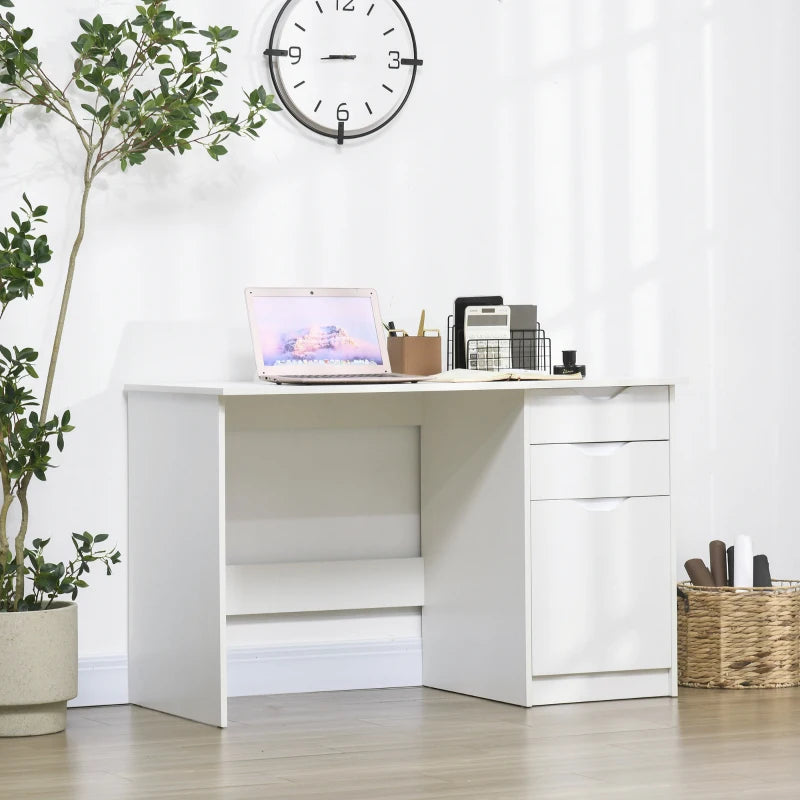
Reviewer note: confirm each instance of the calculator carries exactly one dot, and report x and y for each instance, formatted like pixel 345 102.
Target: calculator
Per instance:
pixel 487 337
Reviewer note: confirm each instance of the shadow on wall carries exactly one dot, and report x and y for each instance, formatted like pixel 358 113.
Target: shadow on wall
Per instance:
pixel 31 147
pixel 156 351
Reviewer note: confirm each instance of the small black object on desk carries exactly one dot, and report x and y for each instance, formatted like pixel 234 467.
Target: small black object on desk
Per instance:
pixel 570 367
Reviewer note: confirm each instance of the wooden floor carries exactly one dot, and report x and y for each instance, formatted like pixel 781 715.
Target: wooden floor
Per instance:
pixel 419 743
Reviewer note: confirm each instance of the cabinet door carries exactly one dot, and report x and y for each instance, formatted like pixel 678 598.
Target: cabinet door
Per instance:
pixel 601 588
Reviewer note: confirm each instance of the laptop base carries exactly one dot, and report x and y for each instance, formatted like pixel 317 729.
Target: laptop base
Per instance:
pixel 313 380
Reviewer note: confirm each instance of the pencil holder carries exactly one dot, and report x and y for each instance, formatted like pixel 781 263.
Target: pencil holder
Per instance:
pixel 415 355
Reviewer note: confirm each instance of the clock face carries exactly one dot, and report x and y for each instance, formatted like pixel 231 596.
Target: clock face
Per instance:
pixel 343 68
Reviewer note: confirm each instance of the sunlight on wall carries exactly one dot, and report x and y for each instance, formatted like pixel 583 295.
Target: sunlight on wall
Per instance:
pixel 552 39
pixel 641 14
pixel 589 19
pixel 595 336
pixel 642 69
pixel 708 119
pixel 647 326
pixel 593 177
pixel 508 190
pixel 553 165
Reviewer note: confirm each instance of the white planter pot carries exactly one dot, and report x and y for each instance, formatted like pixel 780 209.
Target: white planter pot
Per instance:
pixel 38 669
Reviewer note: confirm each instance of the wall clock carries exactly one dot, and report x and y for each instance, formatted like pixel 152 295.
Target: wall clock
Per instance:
pixel 343 68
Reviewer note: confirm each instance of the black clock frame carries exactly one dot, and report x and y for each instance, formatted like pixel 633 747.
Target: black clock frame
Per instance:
pixel 340 136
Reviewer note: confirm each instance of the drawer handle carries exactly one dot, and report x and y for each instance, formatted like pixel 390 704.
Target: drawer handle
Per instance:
pixel 600 448
pixel 601 394
pixel 601 503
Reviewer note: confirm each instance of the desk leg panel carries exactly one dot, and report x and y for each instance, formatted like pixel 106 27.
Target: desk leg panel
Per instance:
pixel 475 516
pixel 176 507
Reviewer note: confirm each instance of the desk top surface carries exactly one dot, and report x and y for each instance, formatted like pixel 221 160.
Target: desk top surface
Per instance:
pixel 258 388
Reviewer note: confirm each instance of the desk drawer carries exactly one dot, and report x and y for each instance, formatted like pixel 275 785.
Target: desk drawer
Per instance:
pixel 598 415
pixel 601 588
pixel 599 469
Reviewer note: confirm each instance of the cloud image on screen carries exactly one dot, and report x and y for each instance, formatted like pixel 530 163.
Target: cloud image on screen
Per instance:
pixel 293 330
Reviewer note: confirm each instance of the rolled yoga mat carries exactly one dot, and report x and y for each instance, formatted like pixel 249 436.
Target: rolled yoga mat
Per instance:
pixel 719 568
pixel 743 566
pixel 761 576
pixel 699 572
pixel 730 565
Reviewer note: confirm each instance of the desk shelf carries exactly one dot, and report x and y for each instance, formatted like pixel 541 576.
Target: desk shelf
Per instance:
pixel 324 586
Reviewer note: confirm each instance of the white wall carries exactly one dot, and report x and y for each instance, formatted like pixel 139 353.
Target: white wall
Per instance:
pixel 629 165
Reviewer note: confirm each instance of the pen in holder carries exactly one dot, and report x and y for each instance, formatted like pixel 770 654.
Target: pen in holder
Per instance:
pixel 415 355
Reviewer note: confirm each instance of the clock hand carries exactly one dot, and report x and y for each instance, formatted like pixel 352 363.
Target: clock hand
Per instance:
pixel 338 58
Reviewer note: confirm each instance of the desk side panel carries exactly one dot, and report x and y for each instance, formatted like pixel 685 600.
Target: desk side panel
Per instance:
pixel 672 547
pixel 176 555
pixel 476 617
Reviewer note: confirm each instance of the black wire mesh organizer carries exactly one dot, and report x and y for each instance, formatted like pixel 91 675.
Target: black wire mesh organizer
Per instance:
pixel 526 349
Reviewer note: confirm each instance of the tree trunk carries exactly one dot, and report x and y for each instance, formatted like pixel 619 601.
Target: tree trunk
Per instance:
pixel 19 545
pixel 87 187
pixel 8 499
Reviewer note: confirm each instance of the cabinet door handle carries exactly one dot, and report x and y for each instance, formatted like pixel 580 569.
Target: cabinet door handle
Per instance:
pixel 601 503
pixel 600 448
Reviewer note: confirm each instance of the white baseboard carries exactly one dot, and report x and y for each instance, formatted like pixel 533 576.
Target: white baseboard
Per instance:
pixel 102 681
pixel 548 690
pixel 277 669
pixel 288 669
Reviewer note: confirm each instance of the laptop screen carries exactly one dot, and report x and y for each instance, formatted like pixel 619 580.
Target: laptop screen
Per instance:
pixel 297 331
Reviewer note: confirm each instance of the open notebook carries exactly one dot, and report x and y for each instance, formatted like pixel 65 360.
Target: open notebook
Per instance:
pixel 481 376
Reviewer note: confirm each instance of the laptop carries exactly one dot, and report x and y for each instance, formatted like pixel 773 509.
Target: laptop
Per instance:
pixel 319 336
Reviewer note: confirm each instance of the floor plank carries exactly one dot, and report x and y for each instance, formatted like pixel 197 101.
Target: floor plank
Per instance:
pixel 399 744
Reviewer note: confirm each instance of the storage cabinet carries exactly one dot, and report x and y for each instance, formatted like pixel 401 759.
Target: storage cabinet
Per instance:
pixel 601 550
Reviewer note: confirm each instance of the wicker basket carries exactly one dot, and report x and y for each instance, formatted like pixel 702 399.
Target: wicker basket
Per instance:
pixel 739 639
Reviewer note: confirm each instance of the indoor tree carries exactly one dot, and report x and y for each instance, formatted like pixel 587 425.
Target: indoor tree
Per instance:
pixel 149 82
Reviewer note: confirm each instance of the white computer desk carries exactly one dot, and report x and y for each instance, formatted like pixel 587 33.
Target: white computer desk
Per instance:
pixel 546 572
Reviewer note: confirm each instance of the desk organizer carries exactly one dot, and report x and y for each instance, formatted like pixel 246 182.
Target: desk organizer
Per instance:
pixel 526 349
pixel 739 638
